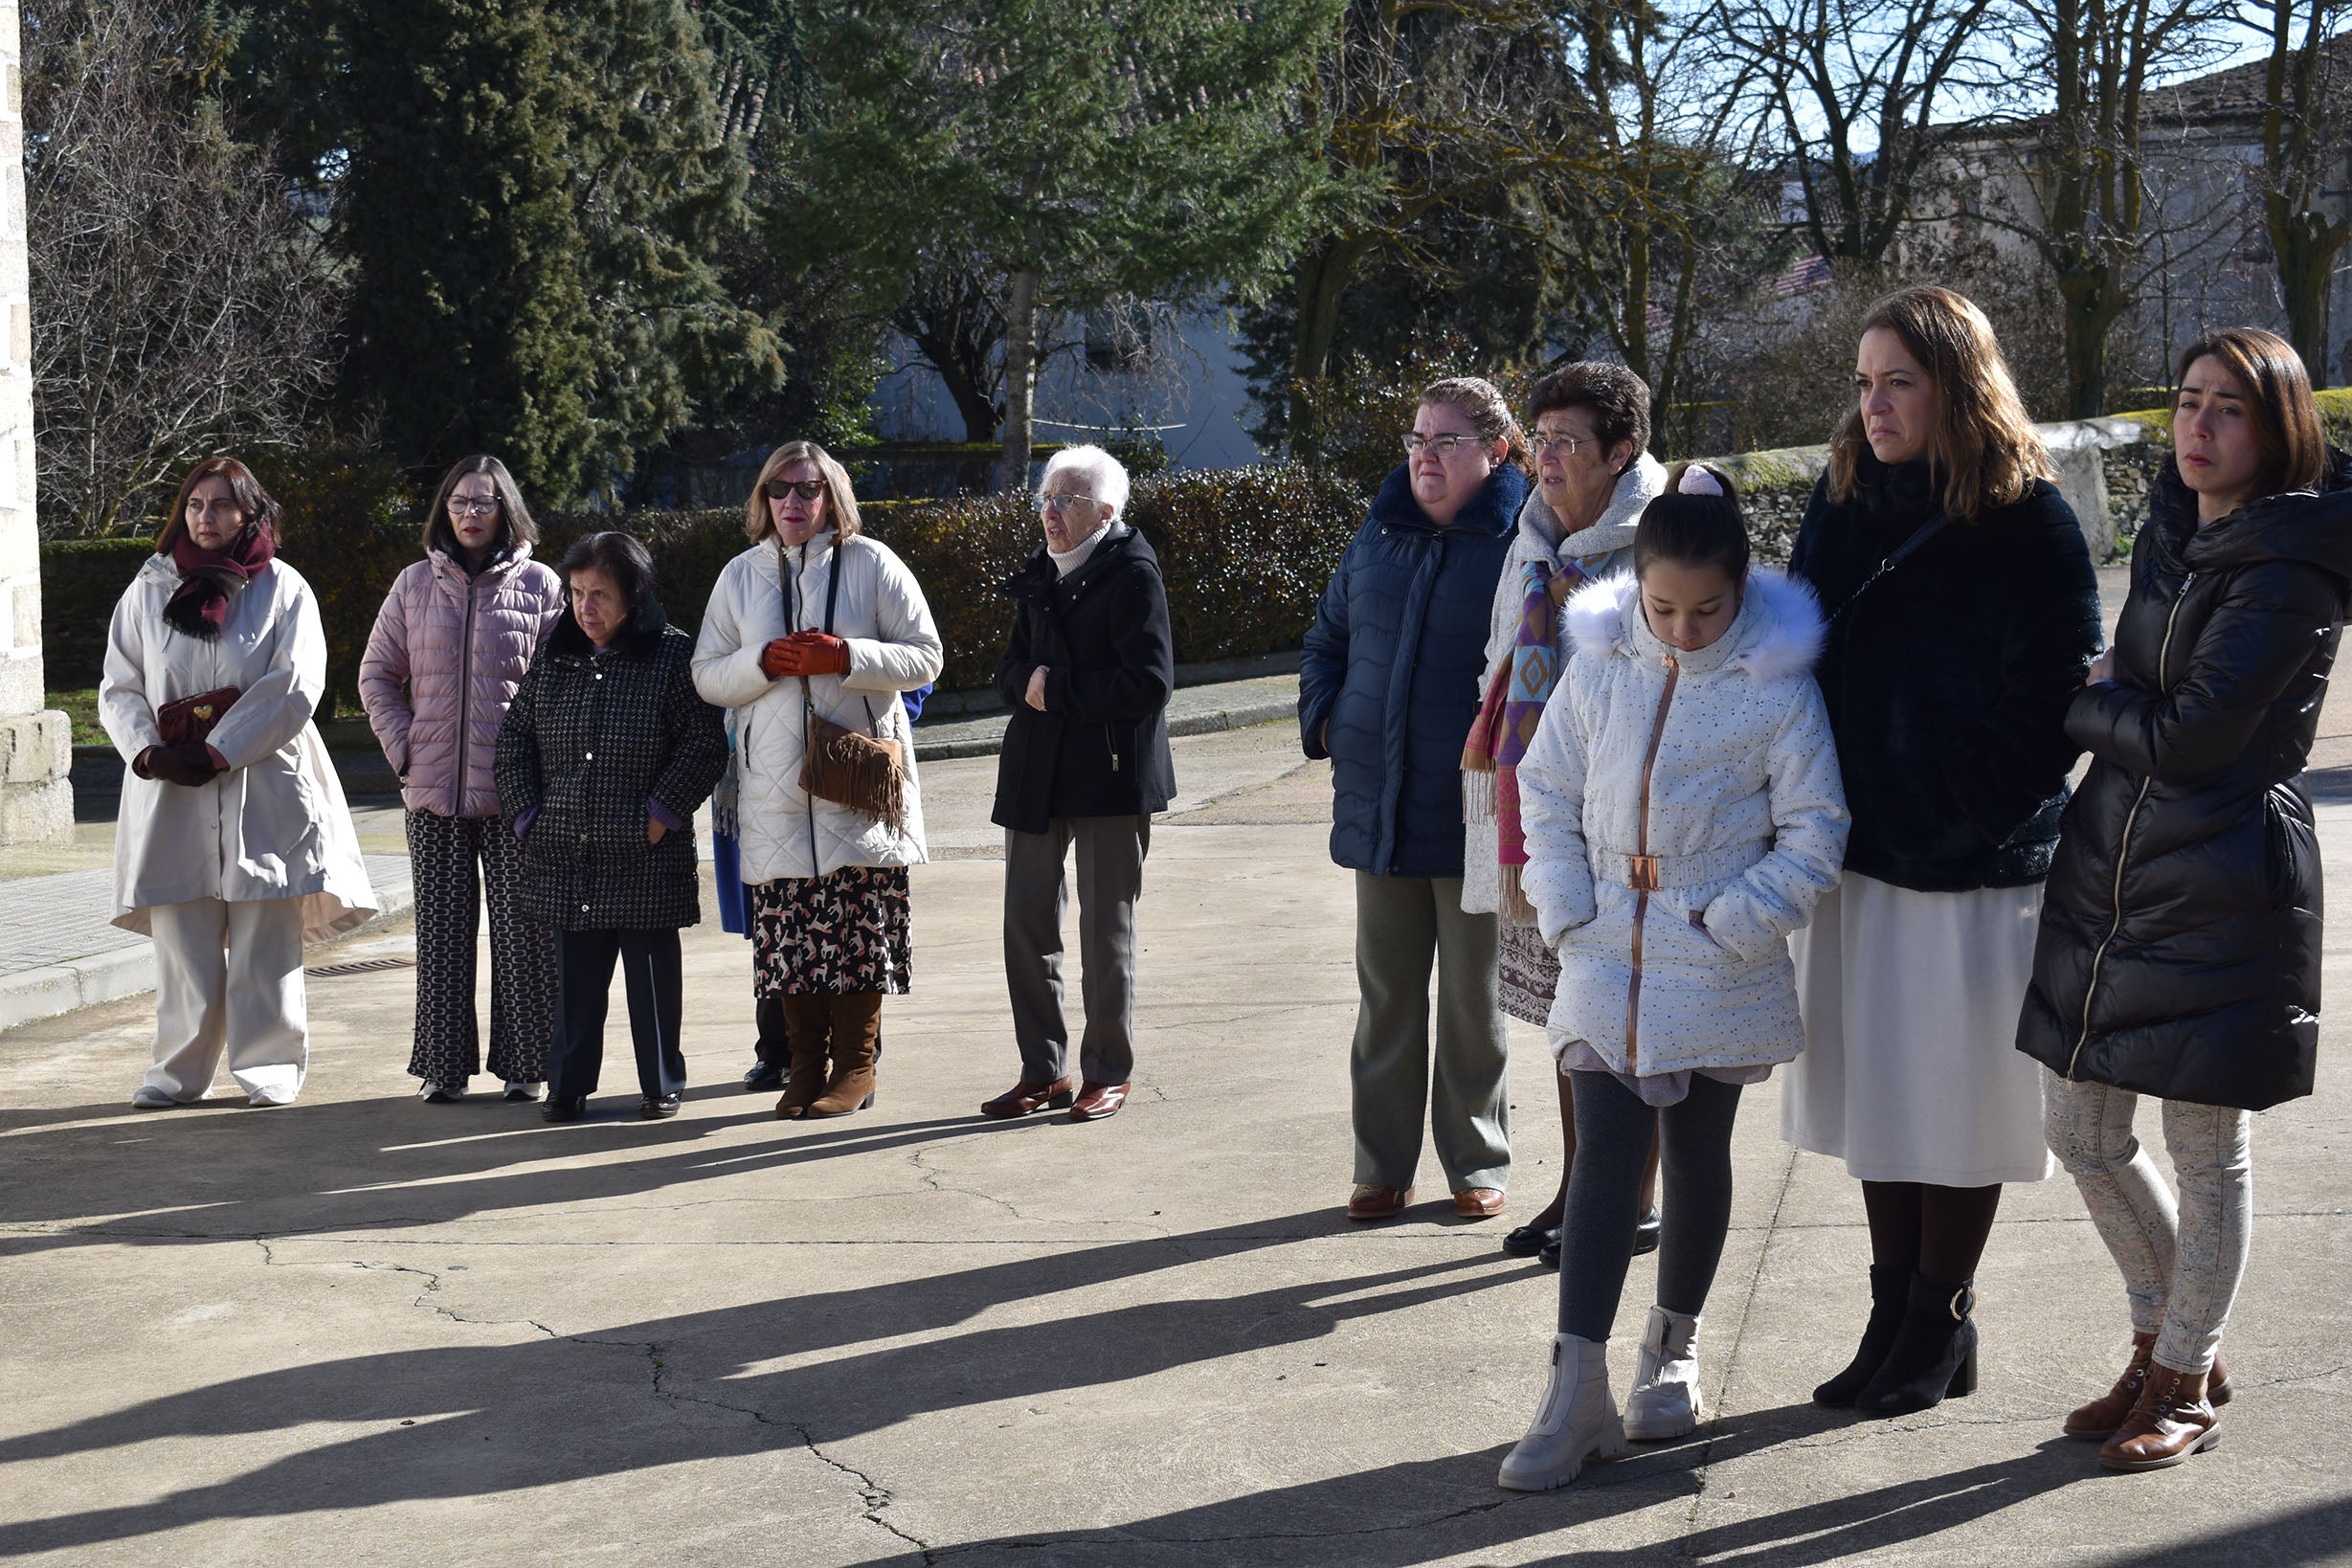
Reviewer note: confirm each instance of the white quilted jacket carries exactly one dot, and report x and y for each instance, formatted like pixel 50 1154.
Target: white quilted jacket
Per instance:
pixel 893 647
pixel 1718 767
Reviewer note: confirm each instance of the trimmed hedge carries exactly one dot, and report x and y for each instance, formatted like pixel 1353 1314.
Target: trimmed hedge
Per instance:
pixel 1246 552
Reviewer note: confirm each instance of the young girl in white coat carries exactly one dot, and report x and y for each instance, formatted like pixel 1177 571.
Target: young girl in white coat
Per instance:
pixel 1683 814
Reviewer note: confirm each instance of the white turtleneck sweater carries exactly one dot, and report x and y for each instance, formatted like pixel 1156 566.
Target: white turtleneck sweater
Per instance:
pixel 1067 561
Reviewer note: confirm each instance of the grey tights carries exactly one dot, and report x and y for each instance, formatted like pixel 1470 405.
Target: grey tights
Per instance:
pixel 1613 1130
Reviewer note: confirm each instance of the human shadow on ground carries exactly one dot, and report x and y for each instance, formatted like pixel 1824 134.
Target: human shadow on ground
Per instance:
pixel 551 1408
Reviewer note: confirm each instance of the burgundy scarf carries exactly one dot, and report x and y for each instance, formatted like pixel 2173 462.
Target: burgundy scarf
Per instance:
pixel 208 578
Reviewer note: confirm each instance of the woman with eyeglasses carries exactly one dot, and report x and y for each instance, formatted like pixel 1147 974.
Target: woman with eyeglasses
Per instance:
pixel 818 624
pixel 450 647
pixel 1088 675
pixel 1388 687
pixel 1594 475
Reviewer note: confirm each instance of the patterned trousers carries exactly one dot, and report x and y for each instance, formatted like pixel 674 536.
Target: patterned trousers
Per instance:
pixel 454 860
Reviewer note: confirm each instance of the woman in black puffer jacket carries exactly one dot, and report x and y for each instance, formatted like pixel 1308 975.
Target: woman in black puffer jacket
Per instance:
pixel 2180 942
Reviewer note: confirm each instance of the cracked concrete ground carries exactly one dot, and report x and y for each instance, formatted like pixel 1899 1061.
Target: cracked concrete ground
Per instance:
pixel 366 1331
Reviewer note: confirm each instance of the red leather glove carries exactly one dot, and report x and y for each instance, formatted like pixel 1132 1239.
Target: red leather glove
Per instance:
pixel 775 660
pixel 816 653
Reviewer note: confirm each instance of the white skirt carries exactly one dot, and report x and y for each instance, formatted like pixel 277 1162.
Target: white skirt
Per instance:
pixel 1910 1069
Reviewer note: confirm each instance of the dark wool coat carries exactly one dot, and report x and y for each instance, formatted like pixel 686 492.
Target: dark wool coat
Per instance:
pixel 2180 932
pixel 588 741
pixel 1101 746
pixel 1948 680
pixel 1392 664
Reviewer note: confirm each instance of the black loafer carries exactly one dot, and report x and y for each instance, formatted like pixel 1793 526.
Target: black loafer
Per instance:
pixel 563 1110
pixel 1549 1257
pixel 763 1076
pixel 1530 1240
pixel 1646 1234
pixel 655 1107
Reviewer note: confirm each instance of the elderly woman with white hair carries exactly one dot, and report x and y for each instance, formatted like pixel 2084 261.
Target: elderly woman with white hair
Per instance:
pixel 1088 675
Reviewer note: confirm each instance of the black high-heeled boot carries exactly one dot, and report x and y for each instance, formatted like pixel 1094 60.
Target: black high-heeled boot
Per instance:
pixel 1934 1356
pixel 1890 1289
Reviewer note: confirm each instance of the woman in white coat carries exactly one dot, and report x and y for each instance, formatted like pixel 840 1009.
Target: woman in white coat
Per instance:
pixel 233 844
pixel 816 621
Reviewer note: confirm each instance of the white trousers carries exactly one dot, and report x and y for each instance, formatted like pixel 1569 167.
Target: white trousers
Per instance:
pixel 229 981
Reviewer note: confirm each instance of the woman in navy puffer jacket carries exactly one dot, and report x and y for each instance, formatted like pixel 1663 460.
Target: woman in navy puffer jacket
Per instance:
pixel 1388 686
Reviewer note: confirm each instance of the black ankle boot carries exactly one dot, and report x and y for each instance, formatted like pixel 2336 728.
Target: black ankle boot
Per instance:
pixel 1890 1289
pixel 1935 1352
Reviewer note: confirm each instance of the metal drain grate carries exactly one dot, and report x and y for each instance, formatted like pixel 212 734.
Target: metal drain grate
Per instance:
pixel 361 966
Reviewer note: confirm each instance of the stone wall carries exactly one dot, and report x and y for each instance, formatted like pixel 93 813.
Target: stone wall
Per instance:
pixel 37 802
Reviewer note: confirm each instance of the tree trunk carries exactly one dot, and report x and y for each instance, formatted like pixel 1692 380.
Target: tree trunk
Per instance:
pixel 1020 378
pixel 2094 300
pixel 2306 245
pixel 1323 276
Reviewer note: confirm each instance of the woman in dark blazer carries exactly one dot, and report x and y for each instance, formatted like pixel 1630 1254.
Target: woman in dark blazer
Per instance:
pixel 1086 674
pixel 1387 688
pixel 1962 614
pixel 605 755
pixel 2180 947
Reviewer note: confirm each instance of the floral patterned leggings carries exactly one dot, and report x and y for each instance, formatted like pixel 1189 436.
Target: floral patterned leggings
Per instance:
pixel 2182 1265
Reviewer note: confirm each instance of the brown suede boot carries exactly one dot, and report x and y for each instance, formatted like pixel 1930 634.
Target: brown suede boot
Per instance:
pixel 2170 1421
pixel 807 1023
pixel 857 1028
pixel 2099 1420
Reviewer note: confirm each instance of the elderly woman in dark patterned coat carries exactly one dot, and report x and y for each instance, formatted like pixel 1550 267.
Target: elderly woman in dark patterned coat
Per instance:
pixel 603 759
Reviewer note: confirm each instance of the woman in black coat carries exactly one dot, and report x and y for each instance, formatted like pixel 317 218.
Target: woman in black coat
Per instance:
pixel 604 757
pixel 2181 941
pixel 1963 612
pixel 1088 675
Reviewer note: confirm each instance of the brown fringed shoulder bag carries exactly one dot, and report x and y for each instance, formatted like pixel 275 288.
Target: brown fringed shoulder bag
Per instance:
pixel 862 772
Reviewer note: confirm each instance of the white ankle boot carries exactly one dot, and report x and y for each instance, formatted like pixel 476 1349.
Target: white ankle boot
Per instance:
pixel 1576 1421
pixel 1665 1399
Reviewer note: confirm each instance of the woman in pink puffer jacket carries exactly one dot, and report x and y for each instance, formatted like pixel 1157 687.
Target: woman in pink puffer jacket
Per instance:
pixel 449 648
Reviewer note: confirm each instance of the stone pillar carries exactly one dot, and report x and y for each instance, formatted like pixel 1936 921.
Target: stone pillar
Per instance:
pixel 36 799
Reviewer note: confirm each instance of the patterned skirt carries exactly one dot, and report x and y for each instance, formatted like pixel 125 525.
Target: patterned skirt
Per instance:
pixel 1530 974
pixel 842 934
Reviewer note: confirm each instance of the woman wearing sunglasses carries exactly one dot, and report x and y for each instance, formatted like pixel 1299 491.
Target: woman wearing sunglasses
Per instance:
pixel 450 647
pixel 815 624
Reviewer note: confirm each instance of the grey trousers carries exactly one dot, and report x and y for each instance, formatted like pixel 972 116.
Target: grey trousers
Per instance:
pixel 1614 1131
pixel 1110 854
pixel 1403 926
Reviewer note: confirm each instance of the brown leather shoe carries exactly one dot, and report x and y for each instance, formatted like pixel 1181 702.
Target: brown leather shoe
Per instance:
pixel 1478 1203
pixel 1370 1201
pixel 2170 1421
pixel 2101 1418
pixel 1024 1097
pixel 1098 1102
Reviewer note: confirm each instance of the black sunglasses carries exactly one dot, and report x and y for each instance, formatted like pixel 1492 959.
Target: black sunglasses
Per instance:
pixel 805 489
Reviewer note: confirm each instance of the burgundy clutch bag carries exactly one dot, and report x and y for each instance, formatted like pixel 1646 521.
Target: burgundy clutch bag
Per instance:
pixel 193 718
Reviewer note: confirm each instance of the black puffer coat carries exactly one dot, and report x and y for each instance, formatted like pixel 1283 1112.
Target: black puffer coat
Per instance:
pixel 2180 943
pixel 1100 749
pixel 589 740
pixel 1948 680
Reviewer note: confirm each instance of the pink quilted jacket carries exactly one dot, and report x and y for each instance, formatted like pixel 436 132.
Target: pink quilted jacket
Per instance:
pixel 441 665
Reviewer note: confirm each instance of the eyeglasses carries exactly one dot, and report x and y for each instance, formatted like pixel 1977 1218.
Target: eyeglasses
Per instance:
pixel 805 489
pixel 1414 442
pixel 472 506
pixel 1063 503
pixel 1547 442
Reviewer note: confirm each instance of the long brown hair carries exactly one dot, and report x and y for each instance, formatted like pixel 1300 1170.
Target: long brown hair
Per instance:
pixel 260 511
pixel 2278 396
pixel 1983 450
pixel 513 516
pixel 841 505
pixel 1488 412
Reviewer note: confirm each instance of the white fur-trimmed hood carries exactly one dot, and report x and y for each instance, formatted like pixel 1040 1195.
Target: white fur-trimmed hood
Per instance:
pixel 1778 633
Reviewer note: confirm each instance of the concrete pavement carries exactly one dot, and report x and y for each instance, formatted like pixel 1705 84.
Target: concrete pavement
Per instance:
pixel 365 1331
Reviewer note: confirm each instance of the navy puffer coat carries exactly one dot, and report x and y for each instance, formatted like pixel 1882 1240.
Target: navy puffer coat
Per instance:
pixel 1392 664
pixel 2180 947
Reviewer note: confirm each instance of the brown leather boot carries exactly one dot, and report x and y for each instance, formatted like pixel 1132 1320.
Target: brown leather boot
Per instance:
pixel 857 1029
pixel 807 1023
pixel 2170 1421
pixel 2099 1420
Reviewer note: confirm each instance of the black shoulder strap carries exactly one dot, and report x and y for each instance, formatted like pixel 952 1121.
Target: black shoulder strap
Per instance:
pixel 1927 530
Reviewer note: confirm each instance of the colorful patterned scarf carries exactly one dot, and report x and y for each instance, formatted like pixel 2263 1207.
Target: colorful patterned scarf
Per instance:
pixel 1506 726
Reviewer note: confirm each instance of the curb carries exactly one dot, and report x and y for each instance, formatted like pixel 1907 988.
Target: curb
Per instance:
pixel 56 989
pixel 1242 717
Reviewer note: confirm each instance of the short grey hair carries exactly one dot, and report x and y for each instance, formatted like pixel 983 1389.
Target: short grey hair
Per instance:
pixel 1105 474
